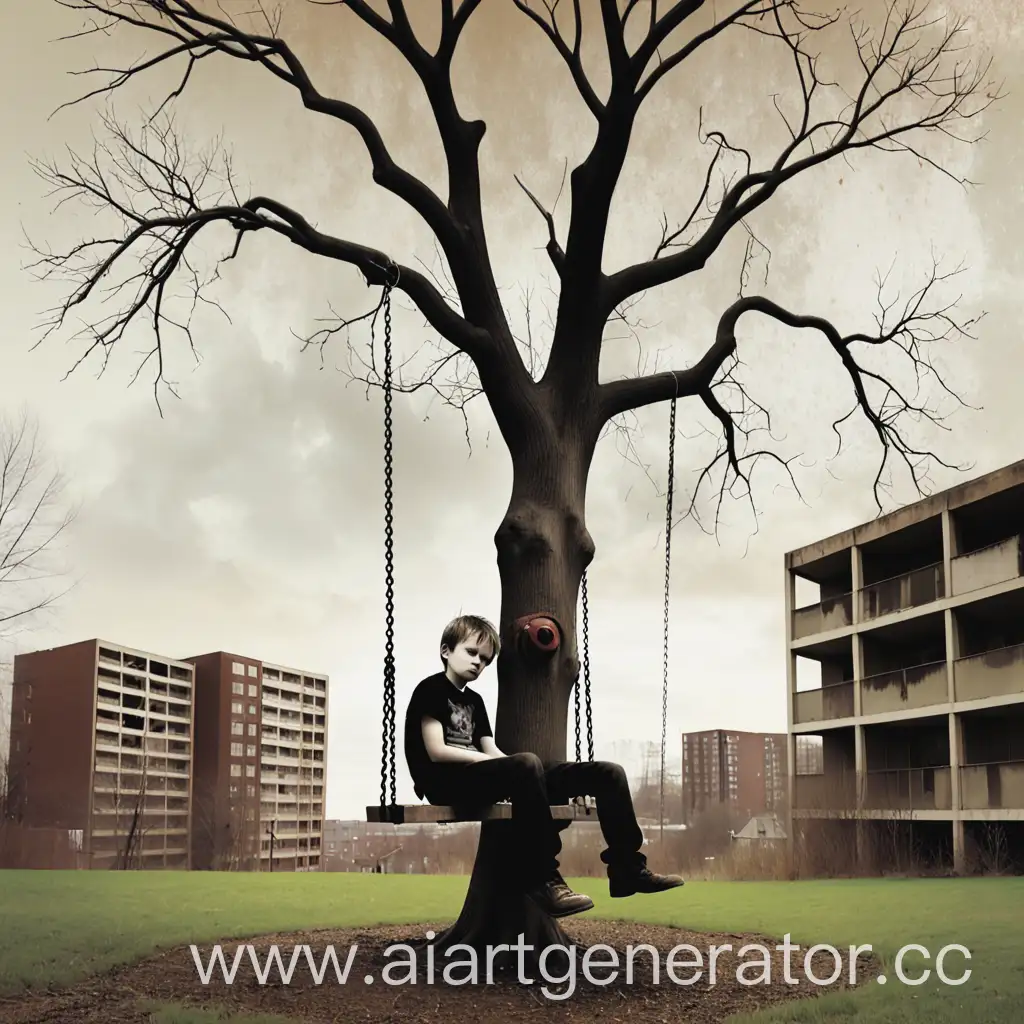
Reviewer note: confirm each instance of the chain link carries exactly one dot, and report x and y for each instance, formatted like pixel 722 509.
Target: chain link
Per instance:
pixel 586 682
pixel 576 688
pixel 388 768
pixel 668 573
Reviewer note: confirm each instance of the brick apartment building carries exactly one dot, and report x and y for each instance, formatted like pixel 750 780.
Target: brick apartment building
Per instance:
pixel 101 746
pixel 745 772
pixel 259 765
pixel 913 625
pixel 155 762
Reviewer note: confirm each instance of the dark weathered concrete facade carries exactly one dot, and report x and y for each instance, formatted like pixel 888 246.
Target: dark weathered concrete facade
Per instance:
pixel 906 656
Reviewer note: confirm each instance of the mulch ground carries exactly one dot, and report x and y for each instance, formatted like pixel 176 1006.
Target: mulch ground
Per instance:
pixel 120 996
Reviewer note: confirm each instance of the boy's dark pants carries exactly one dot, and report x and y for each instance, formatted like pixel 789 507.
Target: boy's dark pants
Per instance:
pixel 531 787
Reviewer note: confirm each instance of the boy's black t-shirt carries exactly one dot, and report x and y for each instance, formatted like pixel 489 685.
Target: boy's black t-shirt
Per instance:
pixel 462 715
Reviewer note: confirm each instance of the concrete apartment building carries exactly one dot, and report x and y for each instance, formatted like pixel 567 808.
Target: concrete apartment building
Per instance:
pixel 211 762
pixel 260 763
pixel 743 771
pixel 918 632
pixel 101 746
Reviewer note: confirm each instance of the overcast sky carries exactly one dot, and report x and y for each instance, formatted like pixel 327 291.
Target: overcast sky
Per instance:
pixel 249 517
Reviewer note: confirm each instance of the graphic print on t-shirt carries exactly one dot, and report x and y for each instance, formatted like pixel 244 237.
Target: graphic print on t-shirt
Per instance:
pixel 460 725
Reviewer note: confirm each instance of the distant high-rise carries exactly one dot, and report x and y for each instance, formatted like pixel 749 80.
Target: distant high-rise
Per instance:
pixel 140 760
pixel 260 754
pixel 101 746
pixel 743 771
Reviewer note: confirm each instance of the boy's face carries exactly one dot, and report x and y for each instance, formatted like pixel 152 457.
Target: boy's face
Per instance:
pixel 470 657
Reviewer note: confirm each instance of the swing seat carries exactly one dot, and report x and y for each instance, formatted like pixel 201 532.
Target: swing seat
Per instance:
pixel 428 814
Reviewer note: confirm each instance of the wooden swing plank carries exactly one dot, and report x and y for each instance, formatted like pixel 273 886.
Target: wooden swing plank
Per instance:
pixel 426 814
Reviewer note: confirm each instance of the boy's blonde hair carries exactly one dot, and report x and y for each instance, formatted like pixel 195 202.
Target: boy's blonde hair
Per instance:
pixel 466 626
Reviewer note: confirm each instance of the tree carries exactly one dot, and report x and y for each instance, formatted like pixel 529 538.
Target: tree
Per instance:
pixel 909 86
pixel 223 839
pixel 33 515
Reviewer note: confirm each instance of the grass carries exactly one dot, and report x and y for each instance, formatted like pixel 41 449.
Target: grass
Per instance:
pixel 176 1014
pixel 62 926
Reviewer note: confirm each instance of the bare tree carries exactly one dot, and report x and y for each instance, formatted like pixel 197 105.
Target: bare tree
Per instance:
pixel 6 702
pixel 5 750
pixel 911 85
pixel 131 820
pixel 33 515
pixel 221 838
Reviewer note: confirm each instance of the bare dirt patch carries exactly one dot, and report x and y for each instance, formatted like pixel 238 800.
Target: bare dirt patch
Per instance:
pixel 118 996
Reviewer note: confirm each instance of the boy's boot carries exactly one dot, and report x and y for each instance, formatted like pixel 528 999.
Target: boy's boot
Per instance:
pixel 556 899
pixel 634 876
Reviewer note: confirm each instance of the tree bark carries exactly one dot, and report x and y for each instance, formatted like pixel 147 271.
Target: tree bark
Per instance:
pixel 543 549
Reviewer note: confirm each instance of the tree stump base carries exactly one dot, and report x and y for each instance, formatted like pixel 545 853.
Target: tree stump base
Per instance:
pixel 503 927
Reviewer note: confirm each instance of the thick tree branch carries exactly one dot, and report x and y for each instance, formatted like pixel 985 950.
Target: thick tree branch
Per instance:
pixel 752 9
pixel 884 404
pixel 911 89
pixel 470 261
pixel 163 202
pixel 458 225
pixel 572 56
pixel 199 35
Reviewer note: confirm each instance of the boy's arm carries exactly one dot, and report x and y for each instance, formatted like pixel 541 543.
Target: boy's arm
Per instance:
pixel 438 750
pixel 489 747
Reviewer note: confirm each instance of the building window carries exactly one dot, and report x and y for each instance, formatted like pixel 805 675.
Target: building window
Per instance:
pixel 233 790
pixel 252 671
pixel 237 668
pixel 236 707
pixel 236 749
pixel 237 729
pixel 252 728
pixel 238 688
pixel 250 790
pixel 252 709
pixel 252 689
pixel 250 750
pixel 236 770
pixel 250 771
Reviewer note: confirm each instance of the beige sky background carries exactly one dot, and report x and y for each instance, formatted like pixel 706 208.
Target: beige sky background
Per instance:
pixel 249 517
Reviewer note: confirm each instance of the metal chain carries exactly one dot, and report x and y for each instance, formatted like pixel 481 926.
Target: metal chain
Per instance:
pixel 388 770
pixel 586 682
pixel 668 572
pixel 576 688
pixel 586 673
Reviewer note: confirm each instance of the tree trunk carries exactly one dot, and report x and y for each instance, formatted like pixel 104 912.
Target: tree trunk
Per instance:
pixel 543 549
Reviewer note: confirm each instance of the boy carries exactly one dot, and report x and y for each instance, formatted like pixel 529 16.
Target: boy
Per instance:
pixel 453 760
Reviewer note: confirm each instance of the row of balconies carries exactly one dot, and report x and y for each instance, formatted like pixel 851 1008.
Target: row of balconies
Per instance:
pixel 997 563
pixel 155 803
pixel 139 663
pixel 286 734
pixel 132 782
pixel 130 683
pixel 292 719
pixel 276 812
pixel 131 759
pixel 998 673
pixel 293 843
pixel 997 785
pixel 177 707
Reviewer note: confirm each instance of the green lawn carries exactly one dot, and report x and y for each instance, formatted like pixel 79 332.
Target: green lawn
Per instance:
pixel 60 926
